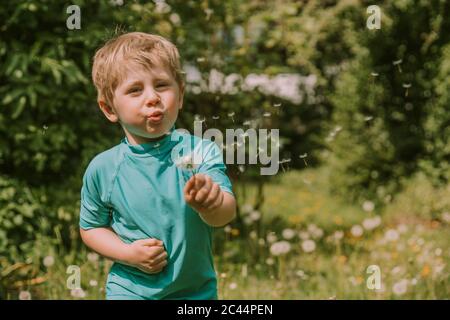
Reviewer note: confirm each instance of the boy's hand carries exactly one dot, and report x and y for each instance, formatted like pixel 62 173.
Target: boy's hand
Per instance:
pixel 202 194
pixel 147 255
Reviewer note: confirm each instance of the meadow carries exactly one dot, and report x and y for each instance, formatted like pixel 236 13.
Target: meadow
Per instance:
pixel 303 243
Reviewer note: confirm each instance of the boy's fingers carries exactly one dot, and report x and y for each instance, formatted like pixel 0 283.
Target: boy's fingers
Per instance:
pixel 203 193
pixel 213 194
pixel 160 258
pixel 189 185
pixel 151 242
pixel 218 202
pixel 200 180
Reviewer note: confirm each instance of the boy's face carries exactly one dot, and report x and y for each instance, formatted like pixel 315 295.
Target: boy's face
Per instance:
pixel 146 103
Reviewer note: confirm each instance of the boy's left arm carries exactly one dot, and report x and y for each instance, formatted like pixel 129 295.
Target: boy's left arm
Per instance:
pixel 215 206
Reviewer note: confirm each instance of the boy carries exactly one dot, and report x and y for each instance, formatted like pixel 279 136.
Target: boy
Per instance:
pixel 138 208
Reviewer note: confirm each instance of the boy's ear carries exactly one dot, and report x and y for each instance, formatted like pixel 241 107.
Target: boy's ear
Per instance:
pixel 108 111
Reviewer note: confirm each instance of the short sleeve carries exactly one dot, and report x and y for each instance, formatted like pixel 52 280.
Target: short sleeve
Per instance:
pixel 213 165
pixel 94 212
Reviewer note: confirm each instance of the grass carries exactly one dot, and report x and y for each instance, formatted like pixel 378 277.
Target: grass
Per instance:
pixel 410 246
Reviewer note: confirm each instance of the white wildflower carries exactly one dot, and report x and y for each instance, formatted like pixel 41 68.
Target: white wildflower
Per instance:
pixel 233 285
pixel 280 248
pixel 288 234
pixel 304 235
pixel 93 283
pixel 49 261
pixel 371 223
pixel 255 215
pixel 357 231
pixel 270 261
pixel 92 257
pixel 24 295
pixel 446 217
pixel 308 246
pixel 402 228
pixel 391 235
pixel 368 206
pixel 272 237
pixel 338 235
pixel 400 288
pixel 78 293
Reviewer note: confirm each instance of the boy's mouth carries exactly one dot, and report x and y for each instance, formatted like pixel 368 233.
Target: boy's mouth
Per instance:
pixel 156 117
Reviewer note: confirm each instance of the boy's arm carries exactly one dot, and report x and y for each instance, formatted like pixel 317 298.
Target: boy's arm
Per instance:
pixel 215 206
pixel 147 254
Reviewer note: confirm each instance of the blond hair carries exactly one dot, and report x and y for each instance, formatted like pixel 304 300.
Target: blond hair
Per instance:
pixel 112 60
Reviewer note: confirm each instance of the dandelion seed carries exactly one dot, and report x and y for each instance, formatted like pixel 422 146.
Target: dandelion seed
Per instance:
pixel 277 105
pixel 49 261
pixel 357 231
pixel 398 63
pixel 24 295
pixel 201 59
pixel 308 246
pixel 231 115
pixel 391 235
pixel 288 234
pixel 247 123
pixel 280 248
pixel 368 118
pixel 216 117
pixel 270 261
pixel 374 74
pixel 406 86
pixel 303 156
pixel 267 114
pixel 241 168
pixel 400 288
pixel 368 206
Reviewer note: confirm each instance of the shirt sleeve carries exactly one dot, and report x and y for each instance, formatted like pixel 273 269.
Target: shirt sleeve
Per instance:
pixel 94 212
pixel 213 165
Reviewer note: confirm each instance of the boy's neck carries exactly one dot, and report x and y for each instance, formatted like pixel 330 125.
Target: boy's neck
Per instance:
pixel 135 140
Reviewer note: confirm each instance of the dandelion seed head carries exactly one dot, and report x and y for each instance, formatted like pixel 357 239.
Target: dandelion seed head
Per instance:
pixel 24 295
pixel 280 248
pixel 400 287
pixel 49 261
pixel 357 231
pixel 308 246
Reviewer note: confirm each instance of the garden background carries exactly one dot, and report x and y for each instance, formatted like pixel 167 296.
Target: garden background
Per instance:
pixel 364 122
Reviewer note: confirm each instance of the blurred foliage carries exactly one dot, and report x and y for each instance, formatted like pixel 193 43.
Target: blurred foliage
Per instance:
pixel 376 115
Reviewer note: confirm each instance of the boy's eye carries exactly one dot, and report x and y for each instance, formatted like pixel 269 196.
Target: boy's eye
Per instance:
pixel 163 84
pixel 132 90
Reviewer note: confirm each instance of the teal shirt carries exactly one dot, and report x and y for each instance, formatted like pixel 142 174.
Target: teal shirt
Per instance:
pixel 138 191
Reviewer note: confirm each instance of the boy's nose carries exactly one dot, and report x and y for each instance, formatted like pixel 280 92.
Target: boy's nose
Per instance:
pixel 152 99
